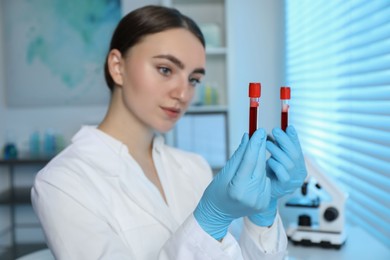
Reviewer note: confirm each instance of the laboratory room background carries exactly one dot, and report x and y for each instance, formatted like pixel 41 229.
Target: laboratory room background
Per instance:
pixel 324 65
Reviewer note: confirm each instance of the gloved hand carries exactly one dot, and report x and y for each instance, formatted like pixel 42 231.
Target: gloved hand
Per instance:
pixel 286 169
pixel 241 188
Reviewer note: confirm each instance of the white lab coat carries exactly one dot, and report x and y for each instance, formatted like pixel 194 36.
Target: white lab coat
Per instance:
pixel 94 202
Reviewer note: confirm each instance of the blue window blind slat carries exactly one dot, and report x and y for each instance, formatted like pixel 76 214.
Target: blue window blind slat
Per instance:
pixel 347 13
pixel 351 185
pixel 318 79
pixel 377 33
pixel 368 16
pixel 366 106
pixel 375 220
pixel 378 205
pixel 351 119
pixel 324 140
pixel 362 133
pixel 380 47
pixel 366 65
pixel 306 27
pixel 372 93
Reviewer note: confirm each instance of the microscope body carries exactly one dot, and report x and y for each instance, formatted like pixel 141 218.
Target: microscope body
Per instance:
pixel 320 211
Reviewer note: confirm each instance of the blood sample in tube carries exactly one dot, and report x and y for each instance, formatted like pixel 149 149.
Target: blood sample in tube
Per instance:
pixel 285 95
pixel 254 103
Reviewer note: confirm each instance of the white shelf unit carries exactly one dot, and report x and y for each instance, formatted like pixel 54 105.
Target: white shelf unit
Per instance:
pixel 211 14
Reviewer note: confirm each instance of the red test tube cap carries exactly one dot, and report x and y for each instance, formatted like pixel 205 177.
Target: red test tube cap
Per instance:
pixel 254 89
pixel 285 93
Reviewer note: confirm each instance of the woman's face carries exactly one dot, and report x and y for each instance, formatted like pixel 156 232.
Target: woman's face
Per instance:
pixel 159 76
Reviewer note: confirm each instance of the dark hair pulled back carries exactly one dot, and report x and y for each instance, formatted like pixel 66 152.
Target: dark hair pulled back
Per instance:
pixel 144 21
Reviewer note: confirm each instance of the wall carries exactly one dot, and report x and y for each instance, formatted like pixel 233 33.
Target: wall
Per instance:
pixel 255 39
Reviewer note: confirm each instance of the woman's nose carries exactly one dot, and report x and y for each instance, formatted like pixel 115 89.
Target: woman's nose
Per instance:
pixel 183 91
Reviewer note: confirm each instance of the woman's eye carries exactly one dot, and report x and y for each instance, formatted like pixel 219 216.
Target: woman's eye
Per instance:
pixel 164 70
pixel 194 82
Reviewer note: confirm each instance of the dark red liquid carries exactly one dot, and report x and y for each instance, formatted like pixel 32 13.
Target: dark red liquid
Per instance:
pixel 252 120
pixel 284 120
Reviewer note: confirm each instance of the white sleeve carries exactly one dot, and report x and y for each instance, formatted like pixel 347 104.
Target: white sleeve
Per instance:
pixel 191 242
pixel 263 242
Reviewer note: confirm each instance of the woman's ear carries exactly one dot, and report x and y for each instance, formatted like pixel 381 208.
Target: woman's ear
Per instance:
pixel 115 64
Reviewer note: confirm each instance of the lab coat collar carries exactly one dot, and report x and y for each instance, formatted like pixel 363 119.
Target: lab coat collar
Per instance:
pixel 113 144
pixel 132 180
pixel 89 133
pixel 158 143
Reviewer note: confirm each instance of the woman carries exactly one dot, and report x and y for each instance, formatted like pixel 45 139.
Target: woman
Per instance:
pixel 118 192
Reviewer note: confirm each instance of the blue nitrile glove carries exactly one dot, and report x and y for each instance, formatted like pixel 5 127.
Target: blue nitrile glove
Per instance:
pixel 241 188
pixel 286 169
pixel 267 216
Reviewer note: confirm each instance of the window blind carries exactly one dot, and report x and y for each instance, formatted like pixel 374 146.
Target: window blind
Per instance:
pixel 338 67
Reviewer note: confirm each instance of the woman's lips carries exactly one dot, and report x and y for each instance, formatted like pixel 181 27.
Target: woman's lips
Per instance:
pixel 171 112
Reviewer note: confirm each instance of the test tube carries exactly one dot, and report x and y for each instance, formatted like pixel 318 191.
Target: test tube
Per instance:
pixel 254 98
pixel 285 95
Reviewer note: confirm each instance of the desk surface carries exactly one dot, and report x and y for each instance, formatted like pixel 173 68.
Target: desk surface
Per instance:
pixel 359 245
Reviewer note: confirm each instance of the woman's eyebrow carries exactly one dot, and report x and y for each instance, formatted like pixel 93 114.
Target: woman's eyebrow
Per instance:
pixel 178 63
pixel 200 71
pixel 171 58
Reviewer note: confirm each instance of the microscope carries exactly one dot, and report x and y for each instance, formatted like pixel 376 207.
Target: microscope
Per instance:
pixel 319 208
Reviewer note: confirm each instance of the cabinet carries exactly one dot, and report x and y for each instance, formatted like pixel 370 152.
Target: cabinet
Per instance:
pixel 204 128
pixel 20 232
